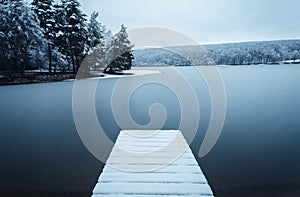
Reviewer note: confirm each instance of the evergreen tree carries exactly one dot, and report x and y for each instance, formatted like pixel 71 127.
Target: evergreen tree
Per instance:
pixel 45 11
pixel 75 32
pixel 95 31
pixel 60 40
pixel 3 37
pixel 21 35
pixel 119 54
pixel 96 43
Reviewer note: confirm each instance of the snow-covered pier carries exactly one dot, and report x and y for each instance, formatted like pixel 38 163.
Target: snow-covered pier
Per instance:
pixel 151 163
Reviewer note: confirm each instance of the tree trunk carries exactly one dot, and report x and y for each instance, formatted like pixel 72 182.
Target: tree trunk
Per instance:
pixel 76 63
pixel 50 57
pixel 24 64
pixel 73 61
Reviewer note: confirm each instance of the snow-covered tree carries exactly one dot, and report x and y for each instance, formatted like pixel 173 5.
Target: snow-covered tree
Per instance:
pixel 267 52
pixel 95 31
pixel 294 55
pixel 21 35
pixel 96 43
pixel 119 53
pixel 61 50
pixel 75 32
pixel 3 37
pixel 45 11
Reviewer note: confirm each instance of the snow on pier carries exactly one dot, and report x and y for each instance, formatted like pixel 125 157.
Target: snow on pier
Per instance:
pixel 151 163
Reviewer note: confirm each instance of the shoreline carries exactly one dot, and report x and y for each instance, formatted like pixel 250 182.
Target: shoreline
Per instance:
pixel 33 78
pixel 45 77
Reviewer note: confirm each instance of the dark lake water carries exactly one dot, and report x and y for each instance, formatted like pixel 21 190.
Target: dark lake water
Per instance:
pixel 258 146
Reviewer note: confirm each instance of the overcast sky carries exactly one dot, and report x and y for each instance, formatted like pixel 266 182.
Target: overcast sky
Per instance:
pixel 206 21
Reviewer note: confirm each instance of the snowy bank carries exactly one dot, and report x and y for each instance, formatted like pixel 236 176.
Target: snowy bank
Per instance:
pixel 133 72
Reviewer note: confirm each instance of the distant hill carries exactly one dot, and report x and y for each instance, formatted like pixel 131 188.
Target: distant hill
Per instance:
pixel 158 57
pixel 245 53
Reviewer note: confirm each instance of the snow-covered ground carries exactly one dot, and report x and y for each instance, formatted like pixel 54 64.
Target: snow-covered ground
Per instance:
pixel 128 73
pixel 297 61
pixel 133 72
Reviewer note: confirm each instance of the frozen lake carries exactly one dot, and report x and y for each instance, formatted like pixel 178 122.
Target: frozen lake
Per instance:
pixel 258 147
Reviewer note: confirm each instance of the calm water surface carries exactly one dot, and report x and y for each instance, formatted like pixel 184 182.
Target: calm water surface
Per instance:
pixel 259 144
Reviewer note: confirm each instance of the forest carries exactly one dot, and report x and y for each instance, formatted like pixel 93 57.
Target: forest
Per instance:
pixel 247 53
pixel 244 53
pixel 58 38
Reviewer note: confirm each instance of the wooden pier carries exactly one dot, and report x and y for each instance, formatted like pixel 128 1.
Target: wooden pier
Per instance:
pixel 151 163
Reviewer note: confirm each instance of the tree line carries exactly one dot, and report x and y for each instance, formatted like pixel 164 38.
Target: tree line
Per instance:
pixel 58 37
pixel 266 52
pixel 246 53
